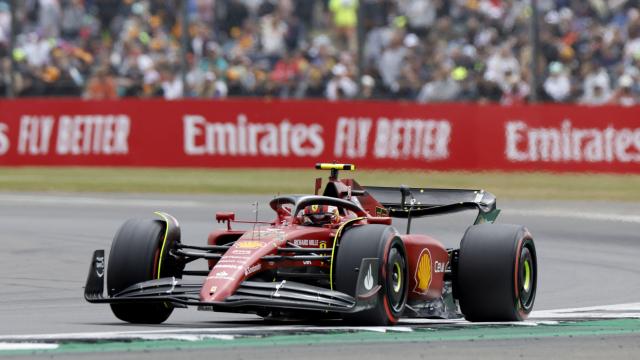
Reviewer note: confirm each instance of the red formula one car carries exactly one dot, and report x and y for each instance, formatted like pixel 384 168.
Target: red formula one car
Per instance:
pixel 335 255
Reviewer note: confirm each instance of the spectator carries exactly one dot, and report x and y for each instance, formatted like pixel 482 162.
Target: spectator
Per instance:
pixel 341 86
pixel 368 86
pixel 5 24
pixel 632 47
pixel 391 62
pixel 345 18
pixel 596 86
pixel 236 14
pixel 284 74
pixel 624 93
pixel 101 86
pixel 489 92
pixel 477 50
pixel 49 18
pixel 421 14
pixel 172 86
pixel 557 86
pixel 304 10
pixel 273 34
pixel 442 88
pixel 514 90
pixel 502 65
pixel 72 19
pixel 212 88
pixel 468 88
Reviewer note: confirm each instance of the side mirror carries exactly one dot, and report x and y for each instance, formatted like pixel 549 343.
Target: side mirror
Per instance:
pixel 226 216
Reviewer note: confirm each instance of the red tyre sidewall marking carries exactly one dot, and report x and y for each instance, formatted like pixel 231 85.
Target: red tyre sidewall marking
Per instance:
pixel 387 307
pixel 155 274
pixel 516 279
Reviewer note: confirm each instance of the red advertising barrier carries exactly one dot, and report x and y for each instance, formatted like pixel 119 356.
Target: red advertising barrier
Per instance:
pixel 261 133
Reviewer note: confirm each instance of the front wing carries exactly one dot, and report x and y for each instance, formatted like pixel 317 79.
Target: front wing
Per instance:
pixel 251 295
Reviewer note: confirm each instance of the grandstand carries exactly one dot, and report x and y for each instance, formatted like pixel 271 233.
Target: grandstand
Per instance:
pixel 417 50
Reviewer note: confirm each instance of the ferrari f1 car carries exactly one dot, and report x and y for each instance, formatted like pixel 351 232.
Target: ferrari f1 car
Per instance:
pixel 333 255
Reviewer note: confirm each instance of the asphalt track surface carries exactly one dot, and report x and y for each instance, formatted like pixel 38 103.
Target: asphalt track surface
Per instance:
pixel 588 256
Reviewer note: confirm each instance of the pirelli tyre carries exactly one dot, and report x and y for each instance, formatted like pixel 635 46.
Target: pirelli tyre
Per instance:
pixel 137 255
pixel 374 241
pixel 496 276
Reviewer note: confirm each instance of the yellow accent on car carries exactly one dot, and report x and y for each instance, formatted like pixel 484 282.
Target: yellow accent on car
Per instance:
pixel 164 239
pixel 330 166
pixel 333 249
pixel 249 244
pixel 527 276
pixel 398 286
pixel 423 272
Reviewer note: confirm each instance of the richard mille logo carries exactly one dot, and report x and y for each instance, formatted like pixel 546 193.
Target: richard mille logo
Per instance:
pixel 368 280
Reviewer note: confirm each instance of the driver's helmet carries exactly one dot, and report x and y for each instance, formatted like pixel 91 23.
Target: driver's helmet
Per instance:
pixel 320 215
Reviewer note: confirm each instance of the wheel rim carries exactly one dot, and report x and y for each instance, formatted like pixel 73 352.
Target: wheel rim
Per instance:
pixel 395 280
pixel 527 277
pixel 397 277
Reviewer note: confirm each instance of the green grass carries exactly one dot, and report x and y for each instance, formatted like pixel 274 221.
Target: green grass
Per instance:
pixel 217 181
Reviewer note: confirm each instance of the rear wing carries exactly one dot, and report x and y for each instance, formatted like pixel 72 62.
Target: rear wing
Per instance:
pixel 407 202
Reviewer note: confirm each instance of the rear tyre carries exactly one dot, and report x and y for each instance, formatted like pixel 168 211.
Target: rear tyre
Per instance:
pixel 134 258
pixel 374 241
pixel 497 273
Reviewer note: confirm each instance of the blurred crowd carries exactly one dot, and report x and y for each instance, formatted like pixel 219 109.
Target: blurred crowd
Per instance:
pixel 417 50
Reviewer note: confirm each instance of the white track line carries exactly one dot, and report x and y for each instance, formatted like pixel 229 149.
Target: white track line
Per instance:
pixel 544 317
pixel 578 215
pixel 26 346
pixel 631 310
pixel 221 333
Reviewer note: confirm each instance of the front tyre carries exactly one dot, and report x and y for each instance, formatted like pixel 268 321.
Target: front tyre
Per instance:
pixel 135 257
pixel 497 273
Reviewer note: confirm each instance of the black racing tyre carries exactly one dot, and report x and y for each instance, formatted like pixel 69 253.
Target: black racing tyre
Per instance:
pixel 374 241
pixel 497 273
pixel 134 257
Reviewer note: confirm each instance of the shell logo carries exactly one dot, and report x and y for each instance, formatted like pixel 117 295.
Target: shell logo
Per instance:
pixel 423 272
